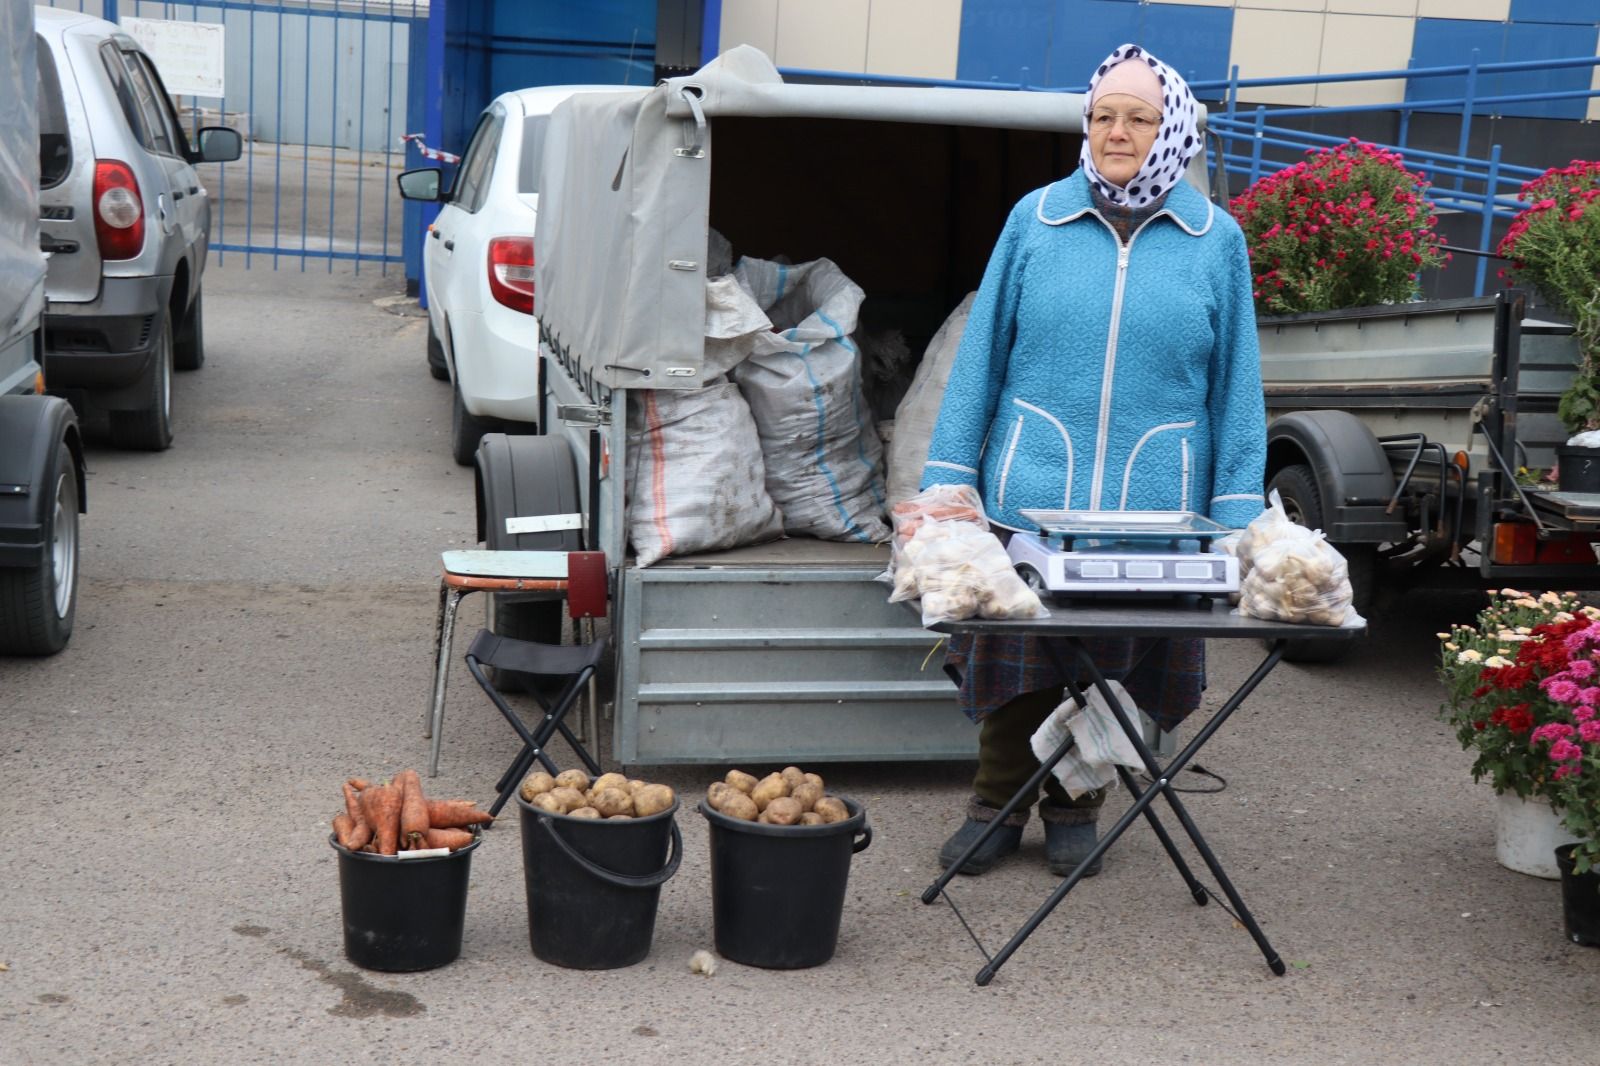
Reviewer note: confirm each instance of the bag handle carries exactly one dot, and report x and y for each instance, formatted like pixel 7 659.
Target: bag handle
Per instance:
pixel 660 877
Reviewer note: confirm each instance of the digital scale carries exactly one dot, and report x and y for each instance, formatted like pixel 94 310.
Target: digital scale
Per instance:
pixel 1123 553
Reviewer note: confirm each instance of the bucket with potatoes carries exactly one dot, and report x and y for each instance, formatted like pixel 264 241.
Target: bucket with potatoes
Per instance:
pixel 780 860
pixel 595 854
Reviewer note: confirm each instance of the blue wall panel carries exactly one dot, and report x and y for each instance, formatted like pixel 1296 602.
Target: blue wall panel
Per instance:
pixel 1448 42
pixel 1058 43
pixel 1533 40
pixel 1000 39
pixel 1572 12
pixel 1083 33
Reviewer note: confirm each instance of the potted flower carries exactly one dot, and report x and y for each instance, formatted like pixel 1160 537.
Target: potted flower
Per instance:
pixel 1348 227
pixel 1554 245
pixel 1508 677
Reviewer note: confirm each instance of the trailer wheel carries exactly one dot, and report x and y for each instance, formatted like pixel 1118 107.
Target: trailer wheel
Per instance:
pixel 1302 501
pixel 38 605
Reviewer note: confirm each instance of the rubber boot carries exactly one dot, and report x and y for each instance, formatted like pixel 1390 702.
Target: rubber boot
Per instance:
pixel 1069 837
pixel 1002 842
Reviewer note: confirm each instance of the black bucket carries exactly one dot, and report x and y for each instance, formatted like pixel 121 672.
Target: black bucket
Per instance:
pixel 593 884
pixel 777 891
pixel 1577 469
pixel 403 914
pixel 1580 899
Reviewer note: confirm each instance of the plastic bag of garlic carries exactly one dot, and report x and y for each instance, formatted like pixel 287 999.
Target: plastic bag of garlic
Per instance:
pixel 1289 573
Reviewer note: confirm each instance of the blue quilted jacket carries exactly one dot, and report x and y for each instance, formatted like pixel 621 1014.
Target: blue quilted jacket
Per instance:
pixel 1099 376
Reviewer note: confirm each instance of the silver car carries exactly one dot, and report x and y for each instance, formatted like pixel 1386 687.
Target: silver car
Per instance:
pixel 125 221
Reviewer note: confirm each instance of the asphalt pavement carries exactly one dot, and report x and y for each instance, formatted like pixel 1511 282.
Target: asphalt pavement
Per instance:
pixel 255 625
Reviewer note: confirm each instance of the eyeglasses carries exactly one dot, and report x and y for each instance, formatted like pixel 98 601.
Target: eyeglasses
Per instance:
pixel 1139 122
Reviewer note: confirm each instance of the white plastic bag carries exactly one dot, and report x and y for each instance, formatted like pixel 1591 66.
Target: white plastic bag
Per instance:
pixel 945 553
pixel 694 478
pixel 824 462
pixel 919 408
pixel 1291 573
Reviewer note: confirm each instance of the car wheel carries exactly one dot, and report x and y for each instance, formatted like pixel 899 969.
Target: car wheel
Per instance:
pixel 1302 502
pixel 466 429
pixel 149 429
pixel 38 604
pixel 436 363
pixel 189 349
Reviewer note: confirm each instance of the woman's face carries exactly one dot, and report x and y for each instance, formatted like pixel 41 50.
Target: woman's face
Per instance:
pixel 1121 130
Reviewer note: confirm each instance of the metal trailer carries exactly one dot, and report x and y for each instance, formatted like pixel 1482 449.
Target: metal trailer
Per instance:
pixel 1400 431
pixel 786 650
pixel 41 455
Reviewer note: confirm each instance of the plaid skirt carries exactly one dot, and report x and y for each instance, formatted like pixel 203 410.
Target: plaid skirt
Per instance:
pixel 1165 676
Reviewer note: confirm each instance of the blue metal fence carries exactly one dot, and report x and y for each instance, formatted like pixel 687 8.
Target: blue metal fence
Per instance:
pixel 319 89
pixel 1481 186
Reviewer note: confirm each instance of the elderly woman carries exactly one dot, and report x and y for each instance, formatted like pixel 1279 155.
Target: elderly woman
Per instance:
pixel 1109 363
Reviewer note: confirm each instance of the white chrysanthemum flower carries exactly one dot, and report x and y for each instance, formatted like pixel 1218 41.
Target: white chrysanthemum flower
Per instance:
pixel 1497 661
pixel 1525 631
pixel 1510 592
pixel 1442 636
pixel 1471 655
pixel 1451 645
pixel 1549 597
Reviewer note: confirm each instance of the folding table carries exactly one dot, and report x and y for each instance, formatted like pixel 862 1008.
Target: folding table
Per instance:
pixel 1187 618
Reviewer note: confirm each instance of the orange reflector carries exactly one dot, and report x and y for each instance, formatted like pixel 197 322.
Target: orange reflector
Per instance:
pixel 1514 543
pixel 1460 459
pixel 38 383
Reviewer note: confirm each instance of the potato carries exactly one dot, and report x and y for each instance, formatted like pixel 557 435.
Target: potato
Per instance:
pixel 609 801
pixel 634 785
pixel 619 817
pixel 714 794
pixel 536 784
pixel 584 812
pixel 652 799
pixel 816 779
pixel 570 798
pixel 807 794
pixel 605 781
pixel 792 776
pixel 741 781
pixel 736 804
pixel 772 787
pixel 573 779
pixel 785 810
pixel 546 801
pixel 811 818
pixel 763 819
pixel 832 810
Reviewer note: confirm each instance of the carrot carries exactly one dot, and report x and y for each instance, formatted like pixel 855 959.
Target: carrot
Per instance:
pixel 413 807
pixel 447 838
pixel 342 828
pixel 381 805
pixel 456 814
pixel 360 830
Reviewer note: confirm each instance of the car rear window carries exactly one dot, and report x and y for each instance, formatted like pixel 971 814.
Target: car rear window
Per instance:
pixel 55 146
pixel 533 129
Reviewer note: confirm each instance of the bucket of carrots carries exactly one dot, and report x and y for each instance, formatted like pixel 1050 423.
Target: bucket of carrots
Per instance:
pixel 404 864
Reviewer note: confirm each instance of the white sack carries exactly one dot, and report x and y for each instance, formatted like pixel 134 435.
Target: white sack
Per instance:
pixel 824 463
pixel 734 325
pixel 694 477
pixel 919 409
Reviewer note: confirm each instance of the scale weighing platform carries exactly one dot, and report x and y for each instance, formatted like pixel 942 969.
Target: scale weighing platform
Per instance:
pixel 1123 553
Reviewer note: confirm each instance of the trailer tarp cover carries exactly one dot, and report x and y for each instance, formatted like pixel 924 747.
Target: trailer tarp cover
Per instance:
pixel 21 264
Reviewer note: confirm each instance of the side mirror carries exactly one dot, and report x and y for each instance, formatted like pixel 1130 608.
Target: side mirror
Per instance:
pixel 425 184
pixel 218 144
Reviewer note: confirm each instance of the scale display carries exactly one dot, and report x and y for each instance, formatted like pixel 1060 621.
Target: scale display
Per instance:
pixel 1135 553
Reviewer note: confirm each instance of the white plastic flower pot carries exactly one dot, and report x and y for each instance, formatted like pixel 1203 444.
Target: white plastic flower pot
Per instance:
pixel 1526 834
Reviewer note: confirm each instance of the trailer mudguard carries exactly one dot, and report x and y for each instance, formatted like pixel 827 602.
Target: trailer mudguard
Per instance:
pixel 30 429
pixel 1354 477
pixel 528 477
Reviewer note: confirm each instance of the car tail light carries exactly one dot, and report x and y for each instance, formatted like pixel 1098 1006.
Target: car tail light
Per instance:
pixel 511 272
pixel 118 210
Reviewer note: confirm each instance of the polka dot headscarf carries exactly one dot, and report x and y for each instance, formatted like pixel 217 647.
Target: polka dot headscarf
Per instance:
pixel 1176 143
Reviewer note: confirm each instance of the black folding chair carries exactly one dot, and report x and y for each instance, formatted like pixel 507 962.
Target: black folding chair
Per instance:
pixel 575 664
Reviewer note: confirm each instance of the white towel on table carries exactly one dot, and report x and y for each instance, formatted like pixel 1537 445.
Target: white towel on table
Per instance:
pixel 1100 746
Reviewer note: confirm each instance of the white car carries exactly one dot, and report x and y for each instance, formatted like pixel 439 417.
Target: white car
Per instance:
pixel 478 267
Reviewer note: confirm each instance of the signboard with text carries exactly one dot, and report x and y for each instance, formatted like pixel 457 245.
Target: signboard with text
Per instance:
pixel 189 55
